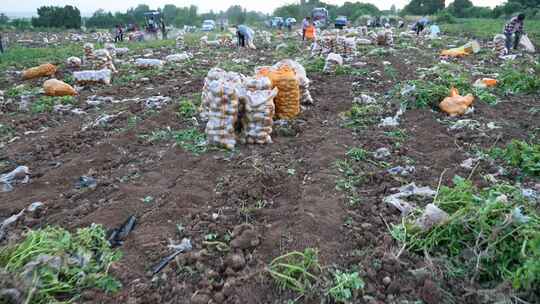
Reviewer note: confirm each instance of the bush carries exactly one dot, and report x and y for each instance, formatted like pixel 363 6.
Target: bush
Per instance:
pixel 445 17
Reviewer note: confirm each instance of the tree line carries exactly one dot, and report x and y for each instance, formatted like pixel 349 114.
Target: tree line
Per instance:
pixel 466 9
pixel 173 15
pixel 70 17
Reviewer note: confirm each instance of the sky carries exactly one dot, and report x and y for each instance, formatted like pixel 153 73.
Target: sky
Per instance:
pixel 89 6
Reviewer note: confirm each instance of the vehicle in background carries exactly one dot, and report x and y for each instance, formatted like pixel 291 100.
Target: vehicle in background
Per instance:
pixel 341 22
pixel 319 15
pixel 208 25
pixel 152 20
pixel 277 22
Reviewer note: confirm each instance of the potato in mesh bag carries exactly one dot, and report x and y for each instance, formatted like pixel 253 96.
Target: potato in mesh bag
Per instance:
pixel 55 87
pixel 257 122
pixel 43 70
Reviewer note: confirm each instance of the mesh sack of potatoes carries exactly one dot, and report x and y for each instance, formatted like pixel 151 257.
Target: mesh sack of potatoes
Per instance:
pixel 111 48
pixel 74 62
pixel 301 76
pixel 55 87
pixel 333 60
pixel 499 45
pixel 180 41
pixel 287 101
pixel 93 77
pixel 257 120
pixel 213 75
pixel 43 70
pixel 222 114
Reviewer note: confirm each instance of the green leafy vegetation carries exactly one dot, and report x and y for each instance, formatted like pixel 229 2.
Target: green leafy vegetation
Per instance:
pixel 345 284
pixel 315 65
pixel 517 80
pixel 492 233
pixel 191 140
pixel 187 109
pixel 47 103
pixel 520 154
pixel 362 115
pixel 62 264
pixel 297 271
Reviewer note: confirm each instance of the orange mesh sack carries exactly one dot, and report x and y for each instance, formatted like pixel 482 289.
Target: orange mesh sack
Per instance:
pixel 287 100
pixel 55 87
pixel 43 70
pixel 456 104
pixel 301 76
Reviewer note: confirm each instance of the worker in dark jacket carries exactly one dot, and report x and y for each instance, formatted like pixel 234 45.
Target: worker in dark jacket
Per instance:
pixel 1 44
pixel 514 28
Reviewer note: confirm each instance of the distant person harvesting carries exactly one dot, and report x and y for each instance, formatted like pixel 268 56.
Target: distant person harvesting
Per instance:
pixel 305 24
pixel 514 28
pixel 245 35
pixel 420 25
pixel 119 34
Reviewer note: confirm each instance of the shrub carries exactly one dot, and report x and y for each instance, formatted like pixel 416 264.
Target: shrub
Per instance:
pixel 444 16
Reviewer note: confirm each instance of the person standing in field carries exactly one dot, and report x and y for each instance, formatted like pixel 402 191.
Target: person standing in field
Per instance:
pixel 305 25
pixel 514 28
pixel 420 25
pixel 310 32
pixel 245 35
pixel 1 44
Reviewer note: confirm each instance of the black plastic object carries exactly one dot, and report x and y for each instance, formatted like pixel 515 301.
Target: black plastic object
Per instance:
pixel 166 260
pixel 86 182
pixel 118 235
pixel 184 246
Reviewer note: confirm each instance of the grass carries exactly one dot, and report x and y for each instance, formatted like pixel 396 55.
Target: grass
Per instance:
pixel 497 226
pixel 522 155
pixel 18 57
pixel 70 263
pixel 487 28
pixel 297 271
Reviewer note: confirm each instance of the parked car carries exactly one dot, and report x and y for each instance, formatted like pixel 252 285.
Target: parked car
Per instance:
pixel 208 25
pixel 341 22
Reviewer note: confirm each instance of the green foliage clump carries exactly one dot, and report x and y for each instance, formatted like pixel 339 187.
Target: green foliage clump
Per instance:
pixel 47 103
pixel 61 264
pixel 187 109
pixel 518 81
pixel 345 284
pixel 315 65
pixel 191 139
pixel 297 271
pixel 445 17
pixel 521 155
pixel 436 85
pixel 361 116
pixel 497 226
